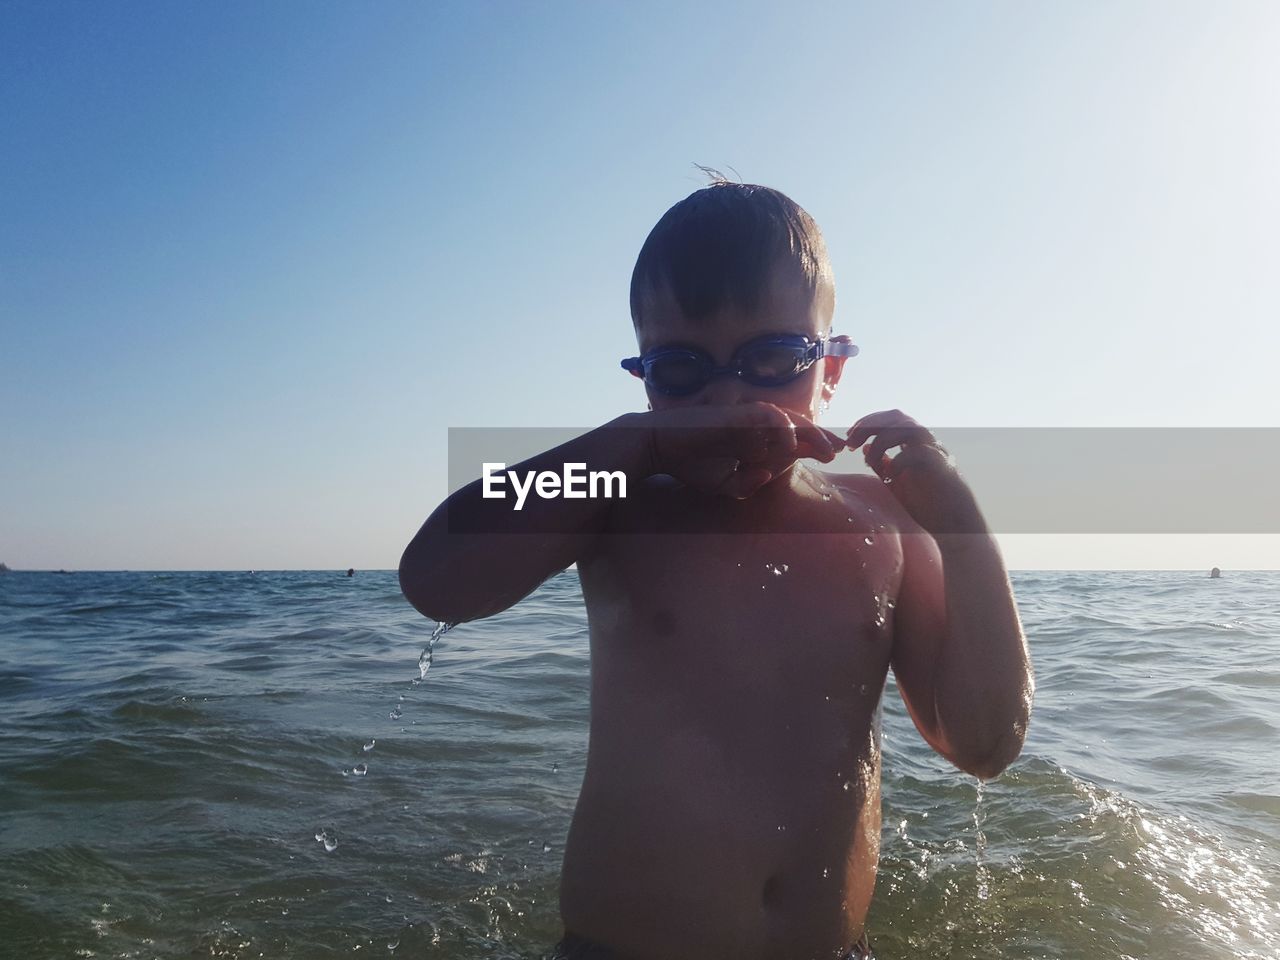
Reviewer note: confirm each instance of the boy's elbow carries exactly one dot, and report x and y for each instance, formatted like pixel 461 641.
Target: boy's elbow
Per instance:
pixel 441 589
pixel 420 599
pixel 988 768
pixel 425 590
pixel 989 765
pixel 1001 742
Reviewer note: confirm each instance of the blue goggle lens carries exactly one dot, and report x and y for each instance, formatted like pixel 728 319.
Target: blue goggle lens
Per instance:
pixel 676 372
pixel 681 372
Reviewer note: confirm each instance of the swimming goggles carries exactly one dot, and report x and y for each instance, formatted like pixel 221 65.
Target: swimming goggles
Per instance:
pixel 770 361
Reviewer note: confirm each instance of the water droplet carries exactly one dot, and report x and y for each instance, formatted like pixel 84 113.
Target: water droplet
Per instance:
pixel 826 872
pixel 555 768
pixel 863 689
pixel 393 944
pixel 369 746
pixel 546 847
pixel 868 540
pixel 424 659
pixel 360 769
pixel 330 840
pixel 826 496
pixel 902 830
pixel 888 479
pixel 777 569
pixel 846 786
pixel 781 827
pixel 849 519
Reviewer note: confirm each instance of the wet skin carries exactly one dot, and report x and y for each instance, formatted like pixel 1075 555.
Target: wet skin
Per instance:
pixel 742 624
pixel 731 803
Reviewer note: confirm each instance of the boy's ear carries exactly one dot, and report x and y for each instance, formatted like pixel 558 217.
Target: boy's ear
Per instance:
pixel 832 368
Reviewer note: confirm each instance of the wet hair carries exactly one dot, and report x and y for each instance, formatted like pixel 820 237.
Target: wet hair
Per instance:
pixel 721 244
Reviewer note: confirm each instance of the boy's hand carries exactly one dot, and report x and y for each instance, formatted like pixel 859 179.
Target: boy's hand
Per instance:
pixel 922 477
pixel 735 449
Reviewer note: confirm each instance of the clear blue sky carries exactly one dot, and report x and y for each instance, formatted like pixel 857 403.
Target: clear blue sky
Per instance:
pixel 255 259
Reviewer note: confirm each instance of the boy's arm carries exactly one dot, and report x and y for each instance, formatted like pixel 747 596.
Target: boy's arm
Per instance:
pixel 475 557
pixel 959 654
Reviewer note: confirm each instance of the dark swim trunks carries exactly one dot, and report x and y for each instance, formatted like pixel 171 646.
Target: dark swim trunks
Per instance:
pixel 574 947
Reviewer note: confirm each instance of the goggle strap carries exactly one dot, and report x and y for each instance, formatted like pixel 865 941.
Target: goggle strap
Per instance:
pixel 837 348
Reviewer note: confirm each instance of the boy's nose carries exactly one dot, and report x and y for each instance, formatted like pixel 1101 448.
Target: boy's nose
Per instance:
pixel 722 390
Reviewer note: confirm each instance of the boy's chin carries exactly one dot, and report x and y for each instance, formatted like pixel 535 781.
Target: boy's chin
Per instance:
pixel 781 478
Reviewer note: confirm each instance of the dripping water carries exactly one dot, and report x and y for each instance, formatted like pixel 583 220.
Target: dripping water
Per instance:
pixel 980 845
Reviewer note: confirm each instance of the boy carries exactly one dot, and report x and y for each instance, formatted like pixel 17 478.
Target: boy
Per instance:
pixel 744 609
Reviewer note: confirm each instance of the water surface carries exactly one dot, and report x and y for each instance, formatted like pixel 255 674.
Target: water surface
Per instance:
pixel 241 765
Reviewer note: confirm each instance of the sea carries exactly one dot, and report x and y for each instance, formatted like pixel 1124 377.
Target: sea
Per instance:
pixel 264 764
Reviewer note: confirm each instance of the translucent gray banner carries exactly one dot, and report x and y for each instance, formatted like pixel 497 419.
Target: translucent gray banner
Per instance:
pixel 1056 480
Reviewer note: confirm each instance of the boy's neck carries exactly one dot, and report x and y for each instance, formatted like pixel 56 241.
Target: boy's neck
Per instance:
pixel 783 486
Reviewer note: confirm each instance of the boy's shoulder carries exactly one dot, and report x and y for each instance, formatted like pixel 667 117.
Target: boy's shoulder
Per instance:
pixel 865 486
pixel 863 483
pixel 870 493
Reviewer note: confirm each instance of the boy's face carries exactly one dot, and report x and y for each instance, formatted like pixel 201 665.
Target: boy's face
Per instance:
pixel 787 307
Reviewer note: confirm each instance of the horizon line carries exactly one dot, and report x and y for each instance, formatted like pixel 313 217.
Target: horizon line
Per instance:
pixel 343 570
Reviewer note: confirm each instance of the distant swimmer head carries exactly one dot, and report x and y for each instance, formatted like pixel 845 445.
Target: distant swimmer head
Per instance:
pixel 1215 573
pixel 351 571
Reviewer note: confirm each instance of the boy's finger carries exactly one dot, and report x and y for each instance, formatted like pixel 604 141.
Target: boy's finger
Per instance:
pixel 755 432
pixel 813 437
pixel 929 456
pixel 817 451
pixel 781 442
pixel 873 423
pixel 823 455
pixel 883 442
pixel 864 429
pixel 894 437
pixel 739 440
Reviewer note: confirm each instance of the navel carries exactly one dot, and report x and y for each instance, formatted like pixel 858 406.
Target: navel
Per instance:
pixel 772 892
pixel 663 623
